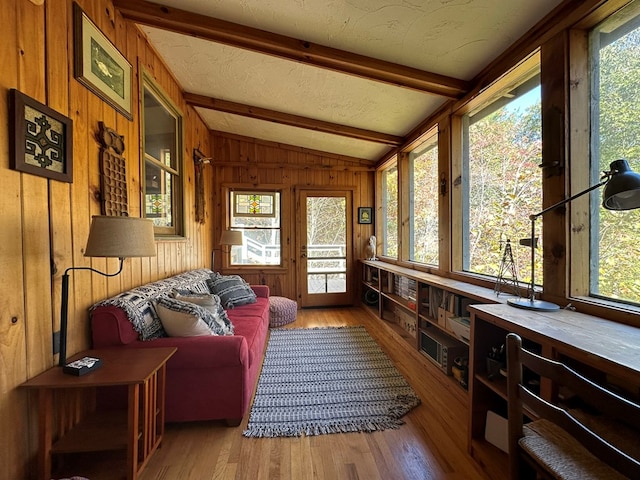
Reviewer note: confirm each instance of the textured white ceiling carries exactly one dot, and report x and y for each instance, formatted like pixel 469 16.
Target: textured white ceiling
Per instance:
pixel 276 132
pixel 456 38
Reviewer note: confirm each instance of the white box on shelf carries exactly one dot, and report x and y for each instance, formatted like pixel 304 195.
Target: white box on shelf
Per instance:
pixel 460 327
pixel 496 431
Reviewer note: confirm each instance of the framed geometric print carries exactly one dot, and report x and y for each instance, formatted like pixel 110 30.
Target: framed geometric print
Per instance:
pixel 41 139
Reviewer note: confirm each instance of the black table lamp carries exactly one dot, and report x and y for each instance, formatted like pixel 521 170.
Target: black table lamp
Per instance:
pixel 118 237
pixel 621 192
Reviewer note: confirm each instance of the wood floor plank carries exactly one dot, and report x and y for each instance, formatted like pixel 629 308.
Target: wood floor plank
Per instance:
pixel 430 446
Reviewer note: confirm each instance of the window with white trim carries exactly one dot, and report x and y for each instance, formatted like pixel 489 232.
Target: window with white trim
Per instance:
pixel 257 215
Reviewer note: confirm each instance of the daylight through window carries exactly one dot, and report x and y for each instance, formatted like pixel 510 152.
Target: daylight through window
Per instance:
pixel 502 143
pixel 257 216
pixel 615 235
pixel 162 162
pixel 423 198
pixel 390 211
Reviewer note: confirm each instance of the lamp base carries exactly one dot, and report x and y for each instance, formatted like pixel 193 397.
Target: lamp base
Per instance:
pixel 529 304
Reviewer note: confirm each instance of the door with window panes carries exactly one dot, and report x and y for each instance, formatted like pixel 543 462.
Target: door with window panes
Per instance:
pixel 324 248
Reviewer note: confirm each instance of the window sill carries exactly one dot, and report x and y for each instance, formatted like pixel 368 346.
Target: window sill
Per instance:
pixel 171 238
pixel 240 269
pixel 609 309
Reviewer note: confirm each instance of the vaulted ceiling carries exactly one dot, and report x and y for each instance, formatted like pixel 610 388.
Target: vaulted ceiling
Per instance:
pixel 349 77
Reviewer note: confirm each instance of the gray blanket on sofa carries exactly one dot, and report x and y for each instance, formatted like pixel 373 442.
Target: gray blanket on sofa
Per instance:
pixel 137 301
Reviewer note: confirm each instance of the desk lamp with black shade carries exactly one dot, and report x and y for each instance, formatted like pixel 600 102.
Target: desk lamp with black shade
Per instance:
pixel 621 192
pixel 111 237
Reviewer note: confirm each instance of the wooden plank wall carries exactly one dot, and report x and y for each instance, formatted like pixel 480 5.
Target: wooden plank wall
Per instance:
pixel 242 162
pixel 46 222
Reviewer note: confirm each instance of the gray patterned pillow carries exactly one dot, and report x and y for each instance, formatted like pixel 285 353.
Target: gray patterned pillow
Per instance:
pixel 232 290
pixel 217 324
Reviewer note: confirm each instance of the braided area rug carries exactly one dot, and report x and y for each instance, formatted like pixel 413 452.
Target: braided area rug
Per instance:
pixel 327 380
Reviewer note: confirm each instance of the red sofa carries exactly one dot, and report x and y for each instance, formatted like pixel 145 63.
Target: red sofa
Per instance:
pixel 209 377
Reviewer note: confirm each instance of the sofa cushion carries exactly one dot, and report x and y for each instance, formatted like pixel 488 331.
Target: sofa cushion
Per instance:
pixel 210 301
pixel 182 324
pixel 172 311
pixel 251 321
pixel 232 290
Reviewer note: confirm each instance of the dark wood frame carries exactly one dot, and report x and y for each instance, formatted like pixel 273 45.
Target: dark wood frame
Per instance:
pixel 199 161
pixel 18 134
pixel 82 25
pixel 365 215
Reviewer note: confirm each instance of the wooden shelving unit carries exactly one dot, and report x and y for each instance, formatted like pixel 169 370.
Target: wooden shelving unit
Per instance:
pixel 600 349
pixel 422 307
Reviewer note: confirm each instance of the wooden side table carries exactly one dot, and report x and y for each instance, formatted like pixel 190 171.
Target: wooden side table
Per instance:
pixel 139 431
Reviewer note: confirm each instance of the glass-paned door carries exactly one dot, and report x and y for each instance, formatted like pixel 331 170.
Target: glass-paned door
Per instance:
pixel 324 243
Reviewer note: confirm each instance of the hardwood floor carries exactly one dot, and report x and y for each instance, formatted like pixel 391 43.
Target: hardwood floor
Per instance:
pixel 431 445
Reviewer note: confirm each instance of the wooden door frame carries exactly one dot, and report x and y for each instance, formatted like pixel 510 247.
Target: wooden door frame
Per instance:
pixel 301 237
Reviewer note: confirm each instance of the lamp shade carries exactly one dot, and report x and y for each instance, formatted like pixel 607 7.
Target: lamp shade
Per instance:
pixel 120 237
pixel 231 237
pixel 622 191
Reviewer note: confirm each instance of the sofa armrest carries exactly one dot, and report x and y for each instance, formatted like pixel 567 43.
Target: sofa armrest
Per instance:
pixel 110 327
pixel 261 290
pixel 203 352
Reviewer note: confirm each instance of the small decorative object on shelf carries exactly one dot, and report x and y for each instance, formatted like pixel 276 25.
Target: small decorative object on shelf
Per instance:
pixel 507 281
pixel 82 366
pixel 370 249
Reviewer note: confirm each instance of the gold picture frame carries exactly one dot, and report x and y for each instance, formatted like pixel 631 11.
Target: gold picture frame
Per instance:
pixel 99 66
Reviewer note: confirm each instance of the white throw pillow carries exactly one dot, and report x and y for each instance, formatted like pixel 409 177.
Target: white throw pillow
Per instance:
pixel 210 302
pixel 182 324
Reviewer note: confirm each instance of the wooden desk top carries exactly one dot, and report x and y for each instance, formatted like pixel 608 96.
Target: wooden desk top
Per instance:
pixel 609 346
pixel 120 366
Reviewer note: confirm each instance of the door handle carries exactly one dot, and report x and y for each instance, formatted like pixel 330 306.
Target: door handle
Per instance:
pixel 304 255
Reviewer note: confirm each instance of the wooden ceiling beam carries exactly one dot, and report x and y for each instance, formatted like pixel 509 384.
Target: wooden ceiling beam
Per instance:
pixel 221 31
pixel 289 119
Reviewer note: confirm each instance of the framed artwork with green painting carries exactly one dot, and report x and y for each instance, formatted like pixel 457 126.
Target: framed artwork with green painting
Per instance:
pixel 98 64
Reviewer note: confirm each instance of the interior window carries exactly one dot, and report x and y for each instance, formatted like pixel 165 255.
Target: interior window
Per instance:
pixel 390 211
pixel 615 235
pixel 423 202
pixel 162 184
pixel 502 184
pixel 257 215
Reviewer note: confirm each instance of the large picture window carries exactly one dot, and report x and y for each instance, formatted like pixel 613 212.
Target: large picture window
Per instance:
pixel 502 184
pixel 423 202
pixel 257 215
pixel 389 218
pixel 162 185
pixel 615 235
